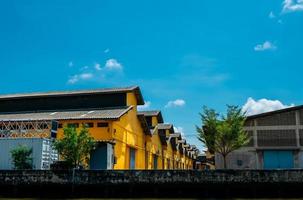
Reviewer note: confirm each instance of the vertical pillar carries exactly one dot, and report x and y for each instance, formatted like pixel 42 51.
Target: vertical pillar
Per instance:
pixel 297 153
pixel 297 128
pixel 255 138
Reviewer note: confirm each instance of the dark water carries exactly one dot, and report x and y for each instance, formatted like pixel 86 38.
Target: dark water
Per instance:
pixel 143 199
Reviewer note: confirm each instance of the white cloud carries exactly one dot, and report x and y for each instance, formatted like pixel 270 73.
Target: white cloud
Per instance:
pixel 86 76
pixel 292 6
pixel 70 64
pixel 97 66
pixel 113 64
pixel 180 129
pixel 267 45
pixel 75 78
pixel 106 50
pixel 175 103
pixel 252 107
pixel 145 106
pixel 271 15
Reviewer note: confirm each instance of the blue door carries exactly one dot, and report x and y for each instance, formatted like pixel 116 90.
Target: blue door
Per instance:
pixel 278 159
pixel 132 158
pixel 155 157
pixel 98 158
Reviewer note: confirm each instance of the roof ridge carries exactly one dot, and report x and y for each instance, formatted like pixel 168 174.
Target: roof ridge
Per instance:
pixel 291 108
pixel 62 92
pixel 65 115
pixel 66 110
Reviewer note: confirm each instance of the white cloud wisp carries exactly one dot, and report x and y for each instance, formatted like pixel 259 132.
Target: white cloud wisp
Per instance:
pixel 175 103
pixel 292 6
pixel 145 106
pixel 75 78
pixel 267 45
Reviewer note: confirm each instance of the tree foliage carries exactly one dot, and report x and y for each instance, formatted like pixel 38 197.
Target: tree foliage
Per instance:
pixel 75 147
pixel 206 133
pixel 21 157
pixel 225 134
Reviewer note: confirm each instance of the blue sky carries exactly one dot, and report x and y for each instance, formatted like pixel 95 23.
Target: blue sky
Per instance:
pixel 183 54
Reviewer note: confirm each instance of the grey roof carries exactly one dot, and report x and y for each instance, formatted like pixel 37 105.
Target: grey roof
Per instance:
pixel 165 126
pixel 293 108
pixel 108 113
pixel 175 135
pixel 179 135
pixel 134 89
pixel 150 113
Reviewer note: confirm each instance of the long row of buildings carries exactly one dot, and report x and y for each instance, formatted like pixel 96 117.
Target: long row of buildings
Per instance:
pixel 127 138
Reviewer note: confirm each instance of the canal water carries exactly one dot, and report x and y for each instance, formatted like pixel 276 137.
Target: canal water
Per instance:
pixel 145 199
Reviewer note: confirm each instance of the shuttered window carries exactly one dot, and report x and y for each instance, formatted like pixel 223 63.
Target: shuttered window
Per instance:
pixel 287 118
pixel 271 138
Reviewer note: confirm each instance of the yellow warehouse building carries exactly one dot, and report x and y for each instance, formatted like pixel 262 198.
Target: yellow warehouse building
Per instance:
pixel 127 138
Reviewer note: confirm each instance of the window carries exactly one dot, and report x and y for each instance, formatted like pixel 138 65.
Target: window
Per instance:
pixel 149 121
pixel 89 125
pixel 155 161
pixel 168 164
pixel 74 125
pixel 102 124
pixel 132 158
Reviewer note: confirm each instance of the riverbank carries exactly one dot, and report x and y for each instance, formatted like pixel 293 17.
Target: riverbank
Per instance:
pixel 152 184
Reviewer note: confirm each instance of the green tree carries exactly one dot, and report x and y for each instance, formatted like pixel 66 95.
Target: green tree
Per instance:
pixel 21 157
pixel 223 135
pixel 208 130
pixel 75 147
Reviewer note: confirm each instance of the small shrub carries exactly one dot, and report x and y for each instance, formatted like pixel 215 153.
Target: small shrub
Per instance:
pixel 21 157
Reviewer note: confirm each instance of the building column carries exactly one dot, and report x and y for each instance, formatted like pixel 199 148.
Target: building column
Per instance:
pixel 297 153
pixel 255 138
pixel 297 128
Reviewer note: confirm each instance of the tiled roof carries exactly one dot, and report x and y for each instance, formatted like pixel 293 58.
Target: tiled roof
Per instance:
pixel 134 89
pixel 165 126
pixel 178 135
pixel 108 113
pixel 150 113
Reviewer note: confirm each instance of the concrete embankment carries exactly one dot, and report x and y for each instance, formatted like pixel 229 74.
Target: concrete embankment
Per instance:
pixel 152 183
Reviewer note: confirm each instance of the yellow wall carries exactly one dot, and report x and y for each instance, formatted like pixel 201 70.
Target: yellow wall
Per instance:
pixel 99 133
pixel 154 147
pixel 131 100
pixel 168 154
pixel 128 133
pixel 154 121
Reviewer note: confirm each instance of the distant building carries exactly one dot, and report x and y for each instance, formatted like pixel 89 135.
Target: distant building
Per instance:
pixel 276 142
pixel 43 153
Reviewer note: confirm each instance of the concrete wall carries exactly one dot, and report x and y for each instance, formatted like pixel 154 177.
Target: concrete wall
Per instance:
pixel 150 183
pixel 239 159
pixel 43 154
